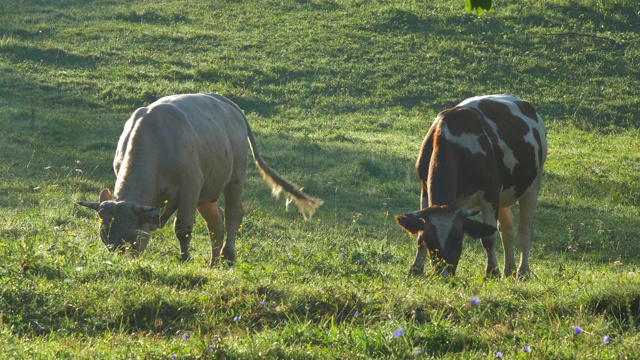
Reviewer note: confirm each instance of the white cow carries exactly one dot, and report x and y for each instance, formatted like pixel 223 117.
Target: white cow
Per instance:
pixel 179 154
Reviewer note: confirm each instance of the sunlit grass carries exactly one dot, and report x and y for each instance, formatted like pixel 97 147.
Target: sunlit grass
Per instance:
pixel 339 95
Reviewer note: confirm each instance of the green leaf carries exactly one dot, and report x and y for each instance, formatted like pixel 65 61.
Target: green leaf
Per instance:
pixel 478 5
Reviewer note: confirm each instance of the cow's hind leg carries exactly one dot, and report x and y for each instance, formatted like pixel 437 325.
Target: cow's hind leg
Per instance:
pixel 527 206
pixel 505 226
pixel 212 215
pixel 489 243
pixel 233 217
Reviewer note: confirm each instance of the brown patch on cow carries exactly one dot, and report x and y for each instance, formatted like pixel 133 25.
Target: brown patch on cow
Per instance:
pixel 452 171
pixel 424 157
pixel 509 125
pixel 460 121
pixel 527 110
pixel 443 170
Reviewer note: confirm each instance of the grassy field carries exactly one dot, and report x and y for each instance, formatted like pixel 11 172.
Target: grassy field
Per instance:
pixel 340 95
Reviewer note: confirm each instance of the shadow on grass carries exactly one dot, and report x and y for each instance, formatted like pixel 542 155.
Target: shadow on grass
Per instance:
pixel 29 93
pixel 54 57
pixel 589 233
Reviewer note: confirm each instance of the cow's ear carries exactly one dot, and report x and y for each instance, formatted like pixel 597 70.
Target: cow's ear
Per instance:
pixel 477 229
pixel 105 195
pixel 411 223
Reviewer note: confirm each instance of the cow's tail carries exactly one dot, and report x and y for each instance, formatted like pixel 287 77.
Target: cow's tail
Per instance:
pixel 305 203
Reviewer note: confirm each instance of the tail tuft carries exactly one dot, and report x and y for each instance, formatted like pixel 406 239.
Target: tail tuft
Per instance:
pixel 306 204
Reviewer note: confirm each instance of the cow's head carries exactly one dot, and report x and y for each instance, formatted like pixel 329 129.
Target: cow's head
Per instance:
pixel 440 230
pixel 123 223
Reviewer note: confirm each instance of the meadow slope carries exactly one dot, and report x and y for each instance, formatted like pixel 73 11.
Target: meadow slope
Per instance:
pixel 339 94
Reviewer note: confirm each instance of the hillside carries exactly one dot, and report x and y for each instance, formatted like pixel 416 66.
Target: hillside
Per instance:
pixel 340 95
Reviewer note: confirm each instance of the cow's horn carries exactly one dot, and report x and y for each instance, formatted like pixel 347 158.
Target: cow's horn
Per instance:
pixel 90 205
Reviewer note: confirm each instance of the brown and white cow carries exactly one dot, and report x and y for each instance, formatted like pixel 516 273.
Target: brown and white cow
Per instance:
pixel 485 154
pixel 179 154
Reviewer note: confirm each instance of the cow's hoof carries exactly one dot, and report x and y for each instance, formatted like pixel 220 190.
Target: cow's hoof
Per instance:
pixel 510 273
pixel 523 275
pixel 415 271
pixel 229 256
pixel 492 274
pixel 221 263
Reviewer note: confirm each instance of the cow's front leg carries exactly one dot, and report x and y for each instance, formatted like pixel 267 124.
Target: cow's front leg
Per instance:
pixel 186 217
pixel 489 244
pixel 212 215
pixel 183 227
pixel 184 237
pixel 418 263
pixel 141 241
pixel 417 268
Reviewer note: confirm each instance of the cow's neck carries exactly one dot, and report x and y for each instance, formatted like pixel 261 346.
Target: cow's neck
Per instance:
pixel 135 180
pixel 442 182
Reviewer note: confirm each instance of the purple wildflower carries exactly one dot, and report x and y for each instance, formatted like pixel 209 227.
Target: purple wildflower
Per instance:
pixel 606 340
pixel 185 336
pixel 211 347
pixel 359 214
pixel 526 349
pixel 398 333
pixel 356 313
pixel 236 318
pixel 499 354
pixel 474 301
pixel 577 330
pixel 261 303
pixel 174 356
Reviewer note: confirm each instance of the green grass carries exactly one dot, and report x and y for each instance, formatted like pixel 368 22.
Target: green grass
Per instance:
pixel 340 95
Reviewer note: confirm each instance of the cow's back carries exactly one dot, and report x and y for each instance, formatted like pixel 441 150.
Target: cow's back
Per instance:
pixel 211 116
pixel 496 143
pixel 182 139
pixel 518 137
